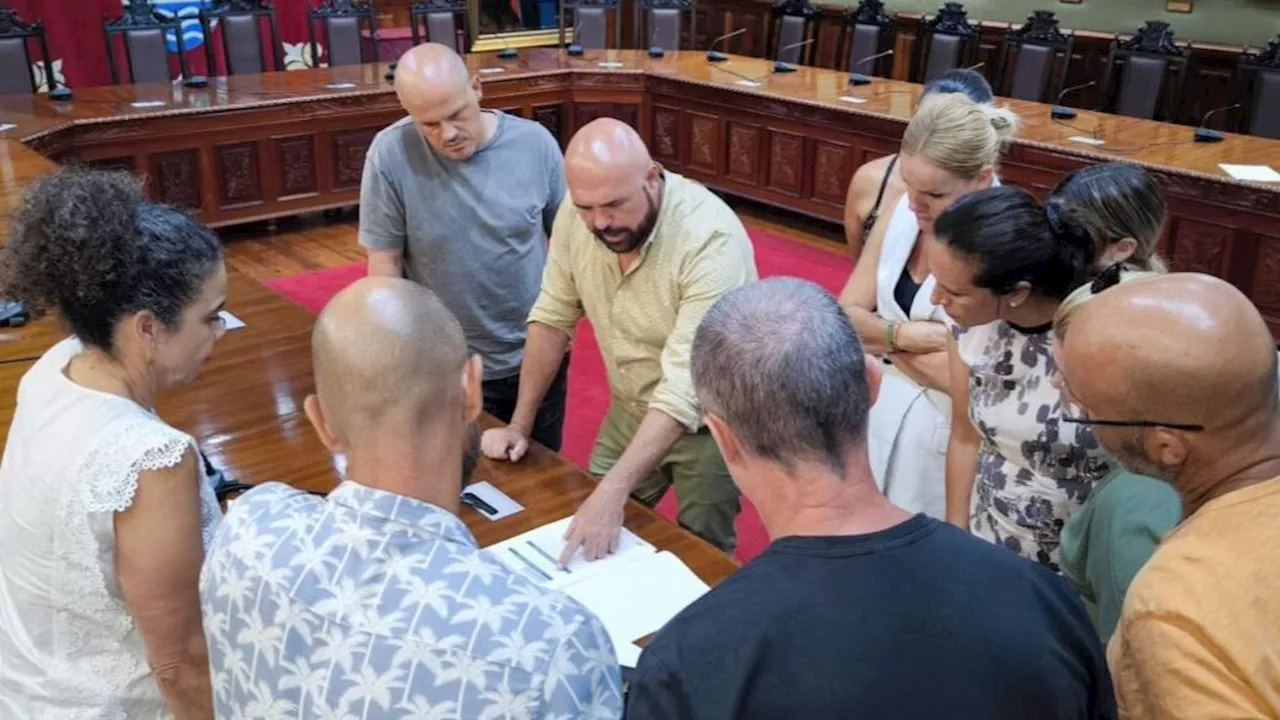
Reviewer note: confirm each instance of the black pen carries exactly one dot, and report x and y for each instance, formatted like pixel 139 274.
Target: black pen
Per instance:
pixel 470 498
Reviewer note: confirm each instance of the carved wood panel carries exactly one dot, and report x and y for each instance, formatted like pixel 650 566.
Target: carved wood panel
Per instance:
pixel 1197 246
pixel 1266 274
pixel 584 113
pixel 744 152
pixel 627 113
pixel 237 173
pixel 786 159
pixel 297 165
pixel 349 148
pixel 175 178
pixel 666 134
pixel 832 169
pixel 118 163
pixel 552 118
pixel 704 142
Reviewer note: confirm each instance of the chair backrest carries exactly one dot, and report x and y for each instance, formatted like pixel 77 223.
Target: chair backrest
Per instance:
pixel 445 22
pixel 865 31
pixel 1028 56
pixel 591 23
pixel 1146 61
pixel 1257 90
pixel 17 76
pixel 794 22
pixel 660 23
pixel 241 24
pixel 946 41
pixel 146 51
pixel 342 21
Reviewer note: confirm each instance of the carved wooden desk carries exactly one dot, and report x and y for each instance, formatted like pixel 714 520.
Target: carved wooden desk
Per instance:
pixel 255 147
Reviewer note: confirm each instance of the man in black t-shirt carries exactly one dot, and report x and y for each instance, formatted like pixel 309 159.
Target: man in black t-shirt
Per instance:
pixel 857 609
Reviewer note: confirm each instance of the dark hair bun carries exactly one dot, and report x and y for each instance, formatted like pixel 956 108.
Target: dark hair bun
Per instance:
pixel 88 244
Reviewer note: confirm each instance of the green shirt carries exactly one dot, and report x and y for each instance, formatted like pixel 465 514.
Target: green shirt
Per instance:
pixel 1110 538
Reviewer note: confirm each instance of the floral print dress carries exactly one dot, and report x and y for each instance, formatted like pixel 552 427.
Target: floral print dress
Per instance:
pixel 1033 470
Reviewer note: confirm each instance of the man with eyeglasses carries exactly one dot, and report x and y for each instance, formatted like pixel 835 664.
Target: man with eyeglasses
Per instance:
pixel 1177 376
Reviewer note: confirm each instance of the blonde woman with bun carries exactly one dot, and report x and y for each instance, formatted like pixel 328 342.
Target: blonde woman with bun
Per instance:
pixel 950 148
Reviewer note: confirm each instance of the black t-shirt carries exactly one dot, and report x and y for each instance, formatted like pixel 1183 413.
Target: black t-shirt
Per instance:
pixel 917 621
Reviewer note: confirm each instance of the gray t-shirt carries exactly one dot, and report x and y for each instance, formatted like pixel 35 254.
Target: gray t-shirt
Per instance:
pixel 474 232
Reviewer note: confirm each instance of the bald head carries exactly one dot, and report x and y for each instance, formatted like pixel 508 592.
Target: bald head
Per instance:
pixel 387 350
pixel 438 91
pixel 614 183
pixel 1179 348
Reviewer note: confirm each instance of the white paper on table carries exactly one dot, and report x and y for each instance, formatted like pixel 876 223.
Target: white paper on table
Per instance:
pixel 610 64
pixel 637 599
pixel 7 126
pixel 231 322
pixel 749 83
pixel 490 70
pixel 148 104
pixel 499 500
pixel 852 99
pixel 1087 140
pixel 535 554
pixel 340 86
pixel 1256 173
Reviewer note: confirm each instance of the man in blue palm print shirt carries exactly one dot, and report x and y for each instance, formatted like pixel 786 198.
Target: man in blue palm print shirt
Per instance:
pixel 376 602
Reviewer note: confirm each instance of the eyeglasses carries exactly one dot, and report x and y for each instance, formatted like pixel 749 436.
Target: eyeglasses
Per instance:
pixel 1079 419
pixel 1133 423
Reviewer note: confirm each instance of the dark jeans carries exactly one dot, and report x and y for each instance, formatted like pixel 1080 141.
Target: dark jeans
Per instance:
pixel 500 401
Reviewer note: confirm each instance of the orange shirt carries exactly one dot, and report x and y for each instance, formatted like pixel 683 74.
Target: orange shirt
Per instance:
pixel 1200 633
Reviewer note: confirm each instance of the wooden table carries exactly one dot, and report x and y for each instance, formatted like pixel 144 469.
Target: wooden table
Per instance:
pixel 261 146
pixel 245 411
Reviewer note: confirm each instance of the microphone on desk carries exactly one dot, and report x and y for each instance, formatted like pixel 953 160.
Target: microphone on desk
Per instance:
pixel 714 55
pixel 58 93
pixel 655 50
pixel 785 67
pixel 507 52
pixel 1062 112
pixel 1207 135
pixel 857 78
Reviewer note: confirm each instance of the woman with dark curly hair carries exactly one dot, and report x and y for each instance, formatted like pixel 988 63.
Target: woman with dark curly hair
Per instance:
pixel 103 513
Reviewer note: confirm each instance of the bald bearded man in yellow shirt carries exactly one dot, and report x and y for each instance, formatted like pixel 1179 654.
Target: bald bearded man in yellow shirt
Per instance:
pixel 643 253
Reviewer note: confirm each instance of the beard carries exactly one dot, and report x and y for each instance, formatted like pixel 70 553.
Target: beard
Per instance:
pixel 620 240
pixel 1131 457
pixel 471 455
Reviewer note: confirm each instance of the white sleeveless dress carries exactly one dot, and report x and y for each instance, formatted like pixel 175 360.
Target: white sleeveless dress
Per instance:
pixel 910 426
pixel 69 647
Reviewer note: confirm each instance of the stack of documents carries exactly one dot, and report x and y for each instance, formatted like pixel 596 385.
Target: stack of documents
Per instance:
pixel 634 592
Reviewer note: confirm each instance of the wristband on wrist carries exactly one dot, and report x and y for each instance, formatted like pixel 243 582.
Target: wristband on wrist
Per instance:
pixel 891 335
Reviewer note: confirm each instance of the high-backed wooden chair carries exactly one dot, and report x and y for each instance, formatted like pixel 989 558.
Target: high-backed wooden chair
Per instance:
pixel 17 71
pixel 946 41
pixel 865 31
pixel 794 22
pixel 242 26
pixel 342 21
pixel 591 20
pixel 660 23
pixel 1034 59
pixel 1257 89
pixel 142 31
pixel 1152 70
pixel 445 22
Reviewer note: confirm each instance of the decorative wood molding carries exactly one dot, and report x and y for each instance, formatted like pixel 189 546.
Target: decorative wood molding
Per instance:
pixel 868 12
pixel 1041 27
pixel 340 8
pixel 795 8
pixel 952 19
pixel 665 4
pixel 12 25
pixel 427 7
pixel 1155 37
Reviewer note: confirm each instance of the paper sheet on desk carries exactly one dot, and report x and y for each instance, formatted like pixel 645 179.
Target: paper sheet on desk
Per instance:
pixel 634 592
pixel 1256 173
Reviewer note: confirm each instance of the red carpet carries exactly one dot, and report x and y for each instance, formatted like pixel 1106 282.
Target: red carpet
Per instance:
pixel 588 390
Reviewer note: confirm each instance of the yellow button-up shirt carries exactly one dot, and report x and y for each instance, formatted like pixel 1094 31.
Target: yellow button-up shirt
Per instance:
pixel 644 319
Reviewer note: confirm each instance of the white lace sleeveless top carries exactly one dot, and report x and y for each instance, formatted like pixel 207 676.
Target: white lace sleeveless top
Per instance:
pixel 68 644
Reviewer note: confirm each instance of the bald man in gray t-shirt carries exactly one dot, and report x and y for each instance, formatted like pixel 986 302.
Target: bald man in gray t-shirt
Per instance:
pixel 461 200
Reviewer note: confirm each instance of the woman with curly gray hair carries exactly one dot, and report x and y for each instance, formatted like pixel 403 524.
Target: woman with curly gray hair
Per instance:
pixel 103 513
